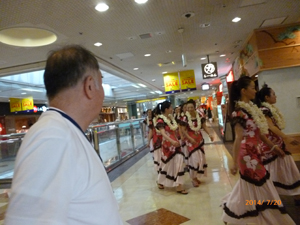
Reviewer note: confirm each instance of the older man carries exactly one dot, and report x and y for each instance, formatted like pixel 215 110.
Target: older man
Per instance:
pixel 59 179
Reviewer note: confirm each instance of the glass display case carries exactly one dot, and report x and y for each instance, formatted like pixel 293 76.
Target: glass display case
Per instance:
pixel 114 142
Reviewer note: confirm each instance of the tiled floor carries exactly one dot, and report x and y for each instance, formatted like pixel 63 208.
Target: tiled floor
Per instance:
pixel 137 193
pixel 142 203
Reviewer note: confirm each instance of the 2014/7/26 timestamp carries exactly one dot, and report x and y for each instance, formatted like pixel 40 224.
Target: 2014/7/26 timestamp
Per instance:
pixel 261 202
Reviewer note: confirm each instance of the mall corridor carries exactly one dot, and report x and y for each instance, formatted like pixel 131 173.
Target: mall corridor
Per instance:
pixel 142 203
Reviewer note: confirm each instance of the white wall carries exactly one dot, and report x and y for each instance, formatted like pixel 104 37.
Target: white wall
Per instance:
pixel 286 84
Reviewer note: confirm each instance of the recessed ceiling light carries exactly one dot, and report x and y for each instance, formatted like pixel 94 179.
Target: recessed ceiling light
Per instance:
pixel 147 55
pixel 236 19
pixel 142 85
pixel 164 72
pixel 222 55
pixel 27 37
pixel 133 85
pixel 168 51
pixel 141 1
pixel 153 80
pixel 98 44
pixel 158 92
pixel 152 92
pixel 203 58
pixel 102 7
pixel 23 93
pixel 135 68
pixel 204 25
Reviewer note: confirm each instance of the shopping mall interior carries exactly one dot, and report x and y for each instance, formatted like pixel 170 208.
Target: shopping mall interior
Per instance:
pixel 150 51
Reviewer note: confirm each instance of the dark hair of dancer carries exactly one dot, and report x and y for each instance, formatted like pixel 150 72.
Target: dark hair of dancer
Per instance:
pixel 235 90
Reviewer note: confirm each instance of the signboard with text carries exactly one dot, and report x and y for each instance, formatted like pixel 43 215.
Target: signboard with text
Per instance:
pixel 15 104
pixel 187 80
pixel 171 82
pixel 209 70
pixel 27 104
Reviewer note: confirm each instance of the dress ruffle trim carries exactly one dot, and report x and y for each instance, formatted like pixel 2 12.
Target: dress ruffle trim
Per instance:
pixel 199 147
pixel 201 171
pixel 171 177
pixel 256 182
pixel 285 186
pixel 177 151
pixel 254 213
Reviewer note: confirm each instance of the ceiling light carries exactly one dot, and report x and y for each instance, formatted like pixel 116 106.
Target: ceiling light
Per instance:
pixel 102 7
pixel 142 85
pixel 203 58
pixel 164 72
pixel 23 93
pixel 147 55
pixel 158 92
pixel 168 51
pixel 222 55
pixel 152 92
pixel 135 68
pixel 153 80
pixel 98 44
pixel 162 86
pixel 141 1
pixel 236 19
pixel 27 37
pixel 204 25
pixel 29 89
pixel 133 85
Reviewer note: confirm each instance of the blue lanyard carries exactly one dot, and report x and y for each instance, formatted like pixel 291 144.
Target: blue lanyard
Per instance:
pixel 72 121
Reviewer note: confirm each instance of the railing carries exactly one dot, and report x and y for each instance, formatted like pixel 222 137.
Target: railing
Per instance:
pixel 114 142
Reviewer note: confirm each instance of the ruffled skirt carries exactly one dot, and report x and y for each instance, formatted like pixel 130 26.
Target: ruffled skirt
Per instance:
pixel 258 204
pixel 285 175
pixel 197 164
pixel 172 171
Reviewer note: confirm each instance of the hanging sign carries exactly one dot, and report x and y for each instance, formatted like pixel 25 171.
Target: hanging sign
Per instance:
pixel 195 98
pixel 27 103
pixel 209 70
pixel 15 104
pixel 187 80
pixel 171 82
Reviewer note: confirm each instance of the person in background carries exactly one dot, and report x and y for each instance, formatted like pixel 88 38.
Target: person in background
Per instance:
pixel 283 171
pixel 254 185
pixel 172 169
pixel 58 177
pixel 209 115
pixel 191 125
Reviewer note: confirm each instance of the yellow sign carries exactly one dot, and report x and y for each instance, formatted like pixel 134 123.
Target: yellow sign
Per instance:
pixel 171 82
pixel 203 99
pixel 27 104
pixel 195 98
pixel 187 80
pixel 151 100
pixel 15 104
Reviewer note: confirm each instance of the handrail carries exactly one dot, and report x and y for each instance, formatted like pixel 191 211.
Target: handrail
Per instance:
pixel 115 145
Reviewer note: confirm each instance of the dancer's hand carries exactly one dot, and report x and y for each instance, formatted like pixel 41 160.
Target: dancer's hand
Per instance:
pixel 234 170
pixel 193 141
pixel 278 151
pixel 175 143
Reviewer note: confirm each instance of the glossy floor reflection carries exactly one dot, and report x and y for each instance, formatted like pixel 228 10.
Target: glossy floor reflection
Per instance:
pixel 137 193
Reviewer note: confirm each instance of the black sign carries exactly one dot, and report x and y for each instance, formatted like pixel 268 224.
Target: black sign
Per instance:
pixel 209 70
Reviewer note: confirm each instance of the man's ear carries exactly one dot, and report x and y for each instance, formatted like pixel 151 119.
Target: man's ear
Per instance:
pixel 89 86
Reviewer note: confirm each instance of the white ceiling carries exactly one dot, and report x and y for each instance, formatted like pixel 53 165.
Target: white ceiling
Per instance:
pixel 120 28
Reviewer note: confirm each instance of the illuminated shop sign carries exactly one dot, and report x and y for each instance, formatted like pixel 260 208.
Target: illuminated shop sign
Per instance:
pixel 209 70
pixel 39 109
